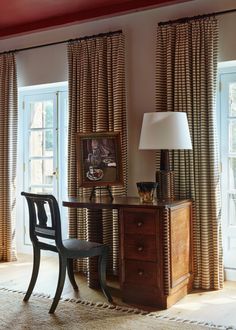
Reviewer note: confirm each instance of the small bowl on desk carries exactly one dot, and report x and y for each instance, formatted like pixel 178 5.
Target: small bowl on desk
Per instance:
pixel 146 191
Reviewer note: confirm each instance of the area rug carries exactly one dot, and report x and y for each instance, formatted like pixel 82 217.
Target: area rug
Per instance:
pixel 76 314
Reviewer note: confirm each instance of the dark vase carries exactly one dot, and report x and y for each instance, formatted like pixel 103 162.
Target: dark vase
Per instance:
pixel 146 191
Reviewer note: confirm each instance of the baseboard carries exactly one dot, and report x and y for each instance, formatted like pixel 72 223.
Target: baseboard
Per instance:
pixel 230 274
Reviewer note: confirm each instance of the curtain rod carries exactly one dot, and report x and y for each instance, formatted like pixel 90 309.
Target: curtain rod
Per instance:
pixel 186 19
pixel 63 41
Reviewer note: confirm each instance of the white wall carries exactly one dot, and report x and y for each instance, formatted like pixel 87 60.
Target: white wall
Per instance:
pixel 49 64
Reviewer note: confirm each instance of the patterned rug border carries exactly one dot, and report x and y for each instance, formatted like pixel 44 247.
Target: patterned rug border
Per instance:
pixel 127 310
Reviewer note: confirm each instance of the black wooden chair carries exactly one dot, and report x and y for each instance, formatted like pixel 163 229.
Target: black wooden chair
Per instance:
pixel 45 234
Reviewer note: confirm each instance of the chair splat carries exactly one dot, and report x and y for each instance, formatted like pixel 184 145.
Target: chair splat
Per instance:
pixel 41 213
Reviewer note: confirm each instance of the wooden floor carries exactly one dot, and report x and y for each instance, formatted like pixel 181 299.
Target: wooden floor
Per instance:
pixel 218 307
pixel 16 275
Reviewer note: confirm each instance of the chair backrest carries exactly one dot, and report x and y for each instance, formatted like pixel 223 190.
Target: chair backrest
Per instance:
pixel 44 219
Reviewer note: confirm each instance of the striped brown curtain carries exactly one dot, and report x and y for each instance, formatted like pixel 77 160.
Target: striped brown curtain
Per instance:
pixel 8 142
pixel 186 68
pixel 97 103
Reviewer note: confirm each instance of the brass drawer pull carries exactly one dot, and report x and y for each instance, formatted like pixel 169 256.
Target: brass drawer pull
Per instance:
pixel 139 224
pixel 140 248
pixel 140 272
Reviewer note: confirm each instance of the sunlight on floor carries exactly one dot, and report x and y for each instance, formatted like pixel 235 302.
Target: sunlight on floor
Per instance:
pixel 23 264
pixel 190 306
pixel 194 306
pixel 5 265
pixel 220 300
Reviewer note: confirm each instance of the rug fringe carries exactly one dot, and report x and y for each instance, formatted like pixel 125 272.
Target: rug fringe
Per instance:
pixel 127 310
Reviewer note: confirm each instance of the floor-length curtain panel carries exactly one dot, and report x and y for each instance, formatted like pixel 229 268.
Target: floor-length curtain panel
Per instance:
pixel 8 143
pixel 186 67
pixel 97 103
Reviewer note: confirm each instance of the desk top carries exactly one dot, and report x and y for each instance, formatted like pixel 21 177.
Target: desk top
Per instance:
pixel 105 202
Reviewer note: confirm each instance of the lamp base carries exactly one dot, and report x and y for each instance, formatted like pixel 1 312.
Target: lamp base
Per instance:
pixel 165 188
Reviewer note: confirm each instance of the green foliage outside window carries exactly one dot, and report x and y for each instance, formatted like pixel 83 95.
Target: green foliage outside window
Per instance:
pixel 49 123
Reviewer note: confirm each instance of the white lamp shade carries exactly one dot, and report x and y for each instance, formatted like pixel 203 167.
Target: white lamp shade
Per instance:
pixel 165 130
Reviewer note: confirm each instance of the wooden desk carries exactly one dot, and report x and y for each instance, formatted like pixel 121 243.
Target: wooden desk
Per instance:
pixel 155 248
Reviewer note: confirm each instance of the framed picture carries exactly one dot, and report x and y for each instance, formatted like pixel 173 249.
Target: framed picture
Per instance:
pixel 99 159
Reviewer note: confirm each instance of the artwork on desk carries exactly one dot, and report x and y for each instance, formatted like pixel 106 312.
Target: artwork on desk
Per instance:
pixel 99 159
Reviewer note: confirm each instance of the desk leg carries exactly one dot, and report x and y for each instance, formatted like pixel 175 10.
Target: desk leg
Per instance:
pixel 95 234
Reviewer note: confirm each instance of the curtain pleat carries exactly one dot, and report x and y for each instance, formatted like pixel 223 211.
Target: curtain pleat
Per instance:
pixel 8 143
pixel 97 103
pixel 186 70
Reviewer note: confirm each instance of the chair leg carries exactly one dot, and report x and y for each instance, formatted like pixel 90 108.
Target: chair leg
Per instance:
pixel 70 273
pixel 60 283
pixel 35 271
pixel 102 263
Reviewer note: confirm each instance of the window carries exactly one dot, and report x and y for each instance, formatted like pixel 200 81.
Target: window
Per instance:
pixel 227 133
pixel 44 125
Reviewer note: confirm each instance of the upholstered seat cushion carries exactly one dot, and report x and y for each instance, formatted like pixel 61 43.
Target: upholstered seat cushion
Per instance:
pixel 74 246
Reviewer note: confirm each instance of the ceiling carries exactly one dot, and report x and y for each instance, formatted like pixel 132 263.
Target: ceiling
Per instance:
pixel 22 16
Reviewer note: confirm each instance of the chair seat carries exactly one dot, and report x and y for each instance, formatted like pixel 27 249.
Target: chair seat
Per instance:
pixel 75 245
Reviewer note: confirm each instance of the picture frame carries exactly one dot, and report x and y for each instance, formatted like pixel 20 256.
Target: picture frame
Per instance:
pixel 99 161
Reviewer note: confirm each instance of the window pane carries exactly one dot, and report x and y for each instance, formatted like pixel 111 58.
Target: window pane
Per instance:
pixel 36 110
pixel 46 190
pixel 35 144
pixel 232 99
pixel 48 145
pixel 48 113
pixel 41 114
pixel 41 171
pixel 41 147
pixel 232 173
pixel 232 136
pixel 232 209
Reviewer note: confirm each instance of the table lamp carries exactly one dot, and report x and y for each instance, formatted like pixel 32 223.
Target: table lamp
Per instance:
pixel 164 131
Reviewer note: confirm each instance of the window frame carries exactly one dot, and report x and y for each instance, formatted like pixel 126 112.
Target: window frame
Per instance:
pixel 61 90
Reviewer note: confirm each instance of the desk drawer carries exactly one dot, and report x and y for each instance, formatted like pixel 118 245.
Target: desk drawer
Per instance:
pixel 140 272
pixel 140 247
pixel 140 221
